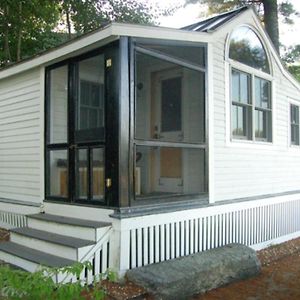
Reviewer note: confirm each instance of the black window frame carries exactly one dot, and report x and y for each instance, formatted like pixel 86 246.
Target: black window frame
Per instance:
pixel 110 141
pixel 140 45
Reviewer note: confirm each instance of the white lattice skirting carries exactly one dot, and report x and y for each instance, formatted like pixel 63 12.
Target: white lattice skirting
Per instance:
pixel 259 223
pixel 12 220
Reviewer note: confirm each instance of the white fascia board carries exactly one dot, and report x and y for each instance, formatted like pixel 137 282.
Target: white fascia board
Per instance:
pixel 153 32
pixel 101 37
pixel 88 42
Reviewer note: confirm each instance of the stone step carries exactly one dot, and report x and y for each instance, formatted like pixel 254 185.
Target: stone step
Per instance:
pixel 73 227
pixel 51 243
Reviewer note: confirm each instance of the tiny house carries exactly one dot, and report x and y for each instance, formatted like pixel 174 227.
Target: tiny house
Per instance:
pixel 136 144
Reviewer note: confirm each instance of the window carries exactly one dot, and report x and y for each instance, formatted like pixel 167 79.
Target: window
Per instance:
pixel 170 145
pixel 294 109
pixel 91 105
pixel 263 113
pixel 251 99
pixel 58 94
pixel 241 105
pixel 75 145
pixel 246 48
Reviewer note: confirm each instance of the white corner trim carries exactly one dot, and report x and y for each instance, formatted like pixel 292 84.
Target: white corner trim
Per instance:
pixel 211 136
pixel 227 104
pixel 42 133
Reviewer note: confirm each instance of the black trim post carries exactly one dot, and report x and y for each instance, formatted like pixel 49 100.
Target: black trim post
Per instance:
pixel 112 71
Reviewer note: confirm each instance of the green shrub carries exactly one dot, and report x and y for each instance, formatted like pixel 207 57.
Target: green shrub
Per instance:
pixel 18 284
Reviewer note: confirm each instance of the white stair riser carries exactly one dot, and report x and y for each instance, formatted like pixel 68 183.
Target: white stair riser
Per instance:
pixel 27 265
pixel 63 229
pixel 79 212
pixel 48 247
pixel 19 262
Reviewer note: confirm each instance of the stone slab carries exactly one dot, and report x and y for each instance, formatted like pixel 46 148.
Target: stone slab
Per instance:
pixel 183 277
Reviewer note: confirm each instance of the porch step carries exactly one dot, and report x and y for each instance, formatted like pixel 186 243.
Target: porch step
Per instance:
pixel 29 259
pixel 51 243
pixel 52 237
pixel 69 221
pixel 73 227
pixel 57 241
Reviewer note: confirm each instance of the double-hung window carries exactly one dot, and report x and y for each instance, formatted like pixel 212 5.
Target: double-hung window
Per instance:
pixel 251 97
pixel 294 118
pixel 241 105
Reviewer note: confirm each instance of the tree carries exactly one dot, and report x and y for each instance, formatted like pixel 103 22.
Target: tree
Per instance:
pixel 267 9
pixel 23 25
pixel 29 27
pixel 86 15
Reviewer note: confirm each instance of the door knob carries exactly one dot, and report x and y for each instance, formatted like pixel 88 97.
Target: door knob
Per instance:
pixel 108 182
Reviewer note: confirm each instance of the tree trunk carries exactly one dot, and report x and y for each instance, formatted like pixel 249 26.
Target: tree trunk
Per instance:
pixel 6 35
pixel 271 21
pixel 68 23
pixel 19 44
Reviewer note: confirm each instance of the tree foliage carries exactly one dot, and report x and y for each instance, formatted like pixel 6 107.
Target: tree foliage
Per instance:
pixel 29 27
pixel 268 11
pixel 86 15
pixel 26 25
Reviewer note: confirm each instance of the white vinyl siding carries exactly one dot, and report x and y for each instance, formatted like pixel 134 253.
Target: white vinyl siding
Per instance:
pixel 245 168
pixel 20 134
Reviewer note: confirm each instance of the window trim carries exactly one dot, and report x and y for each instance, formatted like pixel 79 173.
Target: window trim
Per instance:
pixel 232 64
pixel 294 103
pixel 245 67
pixel 253 75
pixel 262 41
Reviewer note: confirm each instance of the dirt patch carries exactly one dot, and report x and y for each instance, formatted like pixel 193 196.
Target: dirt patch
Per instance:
pixel 279 279
pixel 125 291
pixel 4 235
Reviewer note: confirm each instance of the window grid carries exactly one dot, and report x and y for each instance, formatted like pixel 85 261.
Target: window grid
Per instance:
pixel 257 113
pixel 294 123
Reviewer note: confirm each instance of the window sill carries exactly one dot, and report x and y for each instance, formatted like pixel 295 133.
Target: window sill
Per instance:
pixel 249 143
pixel 295 148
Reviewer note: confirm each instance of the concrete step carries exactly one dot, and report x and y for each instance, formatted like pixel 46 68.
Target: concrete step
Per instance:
pixel 74 227
pixel 30 259
pixel 51 243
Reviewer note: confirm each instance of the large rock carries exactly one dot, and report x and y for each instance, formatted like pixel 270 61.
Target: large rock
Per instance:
pixel 183 277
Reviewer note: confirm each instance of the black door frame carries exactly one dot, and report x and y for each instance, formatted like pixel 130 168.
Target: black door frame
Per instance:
pixel 111 122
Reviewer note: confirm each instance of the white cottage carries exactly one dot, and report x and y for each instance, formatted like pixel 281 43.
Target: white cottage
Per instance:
pixel 134 144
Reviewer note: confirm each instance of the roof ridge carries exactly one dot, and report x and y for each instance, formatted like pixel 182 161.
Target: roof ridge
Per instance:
pixel 214 22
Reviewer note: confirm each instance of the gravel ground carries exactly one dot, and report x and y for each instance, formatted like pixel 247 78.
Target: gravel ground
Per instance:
pixel 279 279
